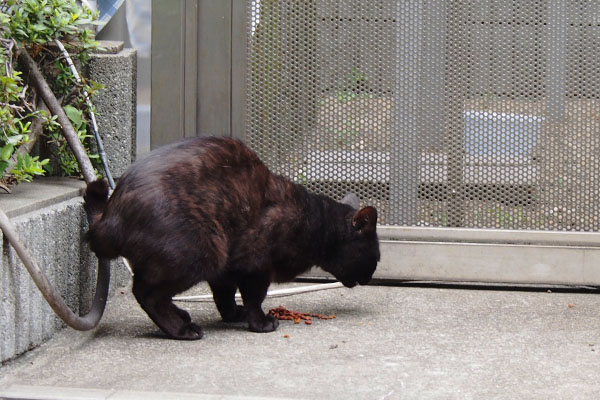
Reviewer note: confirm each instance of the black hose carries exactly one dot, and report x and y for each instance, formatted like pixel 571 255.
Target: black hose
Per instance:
pixel 94 125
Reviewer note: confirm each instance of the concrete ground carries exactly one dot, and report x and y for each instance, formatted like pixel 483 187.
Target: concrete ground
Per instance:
pixel 405 342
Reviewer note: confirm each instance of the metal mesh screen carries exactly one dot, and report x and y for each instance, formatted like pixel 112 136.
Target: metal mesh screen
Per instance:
pixel 480 114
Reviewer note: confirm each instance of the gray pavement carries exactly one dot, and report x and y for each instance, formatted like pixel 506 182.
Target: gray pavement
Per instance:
pixel 386 343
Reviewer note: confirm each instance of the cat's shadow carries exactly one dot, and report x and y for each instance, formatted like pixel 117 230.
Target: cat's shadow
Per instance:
pixel 208 326
pixel 145 329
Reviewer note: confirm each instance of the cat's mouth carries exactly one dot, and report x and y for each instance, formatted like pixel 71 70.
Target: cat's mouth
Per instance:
pixel 349 284
pixel 360 276
pixel 352 283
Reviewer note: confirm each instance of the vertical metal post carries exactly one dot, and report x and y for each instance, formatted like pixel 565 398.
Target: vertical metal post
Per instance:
pixel 456 93
pixel 190 68
pixel 557 60
pixel 174 87
pixel 404 174
pixel 431 82
pixel 239 32
pixel 214 67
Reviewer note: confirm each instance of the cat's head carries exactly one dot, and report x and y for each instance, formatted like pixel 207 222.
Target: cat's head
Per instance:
pixel 357 255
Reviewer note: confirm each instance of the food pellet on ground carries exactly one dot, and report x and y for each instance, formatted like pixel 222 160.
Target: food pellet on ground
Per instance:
pixel 283 313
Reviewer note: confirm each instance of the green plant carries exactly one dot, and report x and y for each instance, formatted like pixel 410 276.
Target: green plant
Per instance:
pixel 27 167
pixel 40 22
pixel 15 127
pixel 35 25
pixel 60 149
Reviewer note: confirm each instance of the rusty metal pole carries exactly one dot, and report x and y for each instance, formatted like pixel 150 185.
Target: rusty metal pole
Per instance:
pixel 55 108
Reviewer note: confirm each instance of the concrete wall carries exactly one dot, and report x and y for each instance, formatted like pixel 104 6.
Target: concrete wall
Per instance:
pixel 50 218
pixel 54 234
pixel 116 103
pixel 54 237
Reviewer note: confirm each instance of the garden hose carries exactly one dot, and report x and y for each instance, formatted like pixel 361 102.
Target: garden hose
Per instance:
pixel 54 299
pixel 270 294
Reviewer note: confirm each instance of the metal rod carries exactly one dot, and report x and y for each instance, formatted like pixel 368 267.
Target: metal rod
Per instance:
pixel 270 293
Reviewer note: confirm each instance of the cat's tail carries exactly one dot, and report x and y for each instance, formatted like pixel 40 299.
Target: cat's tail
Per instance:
pixel 95 200
pixel 95 197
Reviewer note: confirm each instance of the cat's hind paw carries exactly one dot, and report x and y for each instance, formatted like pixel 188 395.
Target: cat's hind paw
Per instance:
pixel 189 331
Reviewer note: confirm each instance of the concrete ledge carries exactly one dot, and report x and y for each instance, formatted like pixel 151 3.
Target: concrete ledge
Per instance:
pixel 494 256
pixel 49 216
pixel 45 192
pixel 50 219
pixel 54 236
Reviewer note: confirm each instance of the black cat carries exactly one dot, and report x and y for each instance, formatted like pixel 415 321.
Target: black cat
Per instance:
pixel 209 209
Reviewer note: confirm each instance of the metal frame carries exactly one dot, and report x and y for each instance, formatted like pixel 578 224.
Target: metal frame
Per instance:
pixel 487 255
pixel 490 255
pixel 214 103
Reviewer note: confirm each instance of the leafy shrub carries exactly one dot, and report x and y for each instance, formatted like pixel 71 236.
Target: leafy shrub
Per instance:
pixel 34 25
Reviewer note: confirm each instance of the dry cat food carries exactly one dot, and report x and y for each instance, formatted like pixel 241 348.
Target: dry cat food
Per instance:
pixel 283 313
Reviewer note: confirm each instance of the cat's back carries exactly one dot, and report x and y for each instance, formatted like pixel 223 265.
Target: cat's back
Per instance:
pixel 186 200
pixel 200 178
pixel 200 155
pixel 190 163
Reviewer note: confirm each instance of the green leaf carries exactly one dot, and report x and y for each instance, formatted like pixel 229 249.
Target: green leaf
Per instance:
pixel 4 19
pixel 39 27
pixel 3 165
pixel 6 152
pixel 74 115
pixel 14 140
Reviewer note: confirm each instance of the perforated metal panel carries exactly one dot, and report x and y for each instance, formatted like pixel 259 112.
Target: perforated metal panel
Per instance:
pixel 481 114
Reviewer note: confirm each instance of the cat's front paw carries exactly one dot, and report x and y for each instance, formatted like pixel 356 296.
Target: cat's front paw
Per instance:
pixel 268 324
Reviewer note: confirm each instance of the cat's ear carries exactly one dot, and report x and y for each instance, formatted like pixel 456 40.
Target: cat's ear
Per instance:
pixel 365 220
pixel 352 200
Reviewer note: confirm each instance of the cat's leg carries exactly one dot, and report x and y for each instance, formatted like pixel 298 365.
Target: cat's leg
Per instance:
pixel 158 304
pixel 224 296
pixel 254 290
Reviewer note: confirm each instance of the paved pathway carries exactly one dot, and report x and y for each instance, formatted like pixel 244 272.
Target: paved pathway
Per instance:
pixel 386 343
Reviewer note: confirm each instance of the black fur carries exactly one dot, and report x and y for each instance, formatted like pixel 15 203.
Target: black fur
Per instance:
pixel 208 209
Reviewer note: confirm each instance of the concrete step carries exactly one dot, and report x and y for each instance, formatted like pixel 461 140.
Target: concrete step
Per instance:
pixel 49 217
pixel 23 392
